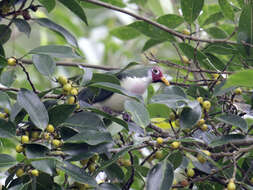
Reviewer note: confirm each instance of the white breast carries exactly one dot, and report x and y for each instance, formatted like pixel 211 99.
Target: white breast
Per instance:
pixel 134 85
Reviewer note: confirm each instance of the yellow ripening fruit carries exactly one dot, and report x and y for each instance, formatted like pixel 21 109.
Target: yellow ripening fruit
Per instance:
pixel 175 145
pixel 159 154
pixel 92 167
pixel 185 59
pixel 20 172
pixel 50 128
pixel 201 122
pixel 84 162
pixel 231 185
pixel 206 105
pixel 159 140
pixel 19 148
pixel 251 180
pixel 11 61
pixel 56 142
pixel 67 87
pixel 186 31
pixel 126 163
pixel 35 134
pixel 62 80
pixel 215 75
pixel 204 127
pixel 74 91
pixel 190 172
pixel 35 172
pixel 177 123
pixel 206 152
pixel 94 158
pixel 172 116
pixel 71 100
pixel 24 139
pixel 200 99
pixel 238 91
pixel 6 110
pixel 46 136
pixel 3 115
pixel 201 159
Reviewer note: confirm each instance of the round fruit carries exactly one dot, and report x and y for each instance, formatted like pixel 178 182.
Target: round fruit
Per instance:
pixel 24 139
pixel 231 185
pixel 201 159
pixel 190 172
pixel 127 163
pixel 206 105
pixel 185 59
pixel 95 158
pixel 56 142
pixel 215 75
pixel 186 31
pixel 172 116
pixel 159 154
pixel 46 136
pixel 11 61
pixel 71 100
pixel 238 91
pixel 184 183
pixel 19 148
pixel 201 122
pixel 2 115
pixel 204 127
pixel 177 123
pixel 20 172
pixel 35 172
pixel 92 167
pixel 62 80
pixel 200 99
pixel 74 91
pixel 50 128
pixel 84 162
pixel 251 180
pixel 175 145
pixel 206 152
pixel 67 87
pixel 35 134
pixel 159 140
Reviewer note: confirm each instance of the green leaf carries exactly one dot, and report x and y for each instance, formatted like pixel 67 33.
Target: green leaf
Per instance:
pixel 190 52
pixel 191 9
pixel 222 140
pixel 138 112
pixel 8 77
pixel 234 120
pixel 5 32
pixel 125 33
pixel 5 101
pixel 34 107
pixel 23 26
pixel 34 151
pixel 244 33
pixel 48 4
pixel 3 61
pixel 220 48
pixel 78 174
pixel 55 51
pixel 60 113
pixel 92 137
pixel 129 65
pixel 161 176
pixel 150 43
pixel 219 91
pixel 213 18
pixel 227 9
pixel 151 31
pixel 75 8
pixel 45 22
pixel 2 53
pixel 44 64
pixel 108 186
pixel 170 20
pixel 217 63
pixel 6 160
pixel 174 90
pixel 158 110
pixel 190 115
pixel 241 78
pixel 114 88
pixel 7 129
pixel 216 32
pixel 104 77
pixel 176 159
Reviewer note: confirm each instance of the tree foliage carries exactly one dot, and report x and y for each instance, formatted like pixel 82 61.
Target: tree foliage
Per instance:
pixel 194 134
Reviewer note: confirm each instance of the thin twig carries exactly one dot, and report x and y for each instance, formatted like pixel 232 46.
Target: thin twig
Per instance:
pixel 28 77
